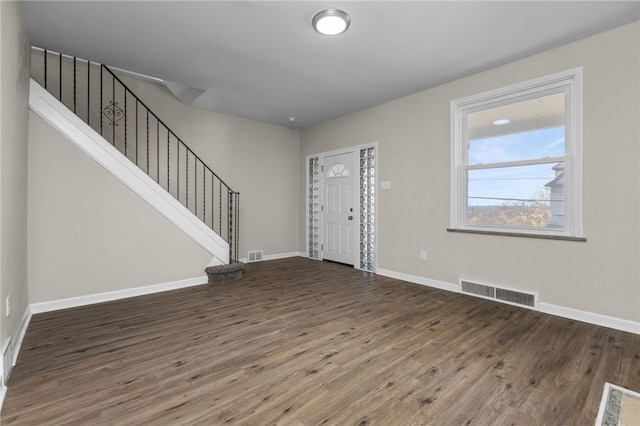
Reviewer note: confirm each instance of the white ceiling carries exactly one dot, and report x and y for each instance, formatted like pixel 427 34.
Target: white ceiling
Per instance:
pixel 537 113
pixel 262 60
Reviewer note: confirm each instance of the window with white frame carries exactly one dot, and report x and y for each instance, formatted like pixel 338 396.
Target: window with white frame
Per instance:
pixel 516 157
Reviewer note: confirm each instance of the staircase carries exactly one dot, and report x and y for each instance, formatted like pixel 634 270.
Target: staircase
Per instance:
pixel 91 105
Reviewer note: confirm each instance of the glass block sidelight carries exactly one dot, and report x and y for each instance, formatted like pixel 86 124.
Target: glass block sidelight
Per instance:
pixel 314 208
pixel 367 205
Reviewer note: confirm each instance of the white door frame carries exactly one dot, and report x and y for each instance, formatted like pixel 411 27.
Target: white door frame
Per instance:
pixel 356 197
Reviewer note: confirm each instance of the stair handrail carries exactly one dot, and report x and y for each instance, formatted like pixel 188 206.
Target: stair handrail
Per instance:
pixel 162 123
pixel 230 231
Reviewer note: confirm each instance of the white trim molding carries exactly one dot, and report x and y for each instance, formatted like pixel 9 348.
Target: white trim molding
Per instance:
pixel 547 308
pixel 277 256
pixel 591 318
pixel 568 83
pixel 6 346
pixel 3 388
pixel 93 144
pixel 91 299
pixel 442 285
pixel 612 411
pixel 356 197
pixel 22 331
pixel 16 340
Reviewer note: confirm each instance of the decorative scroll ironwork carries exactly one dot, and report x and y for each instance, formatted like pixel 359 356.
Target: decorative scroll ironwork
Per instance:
pixel 216 204
pixel 113 113
pixel 314 208
pixel 367 209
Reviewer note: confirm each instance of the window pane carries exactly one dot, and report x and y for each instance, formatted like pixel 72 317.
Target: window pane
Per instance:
pixel 524 196
pixel 530 145
pixel 524 130
pixel 511 146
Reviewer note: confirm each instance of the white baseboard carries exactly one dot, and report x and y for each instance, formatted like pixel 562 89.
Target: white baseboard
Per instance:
pixel 591 318
pixel 3 379
pixel 278 256
pixel 22 330
pixel 442 285
pixel 3 393
pixel 17 344
pixel 282 255
pixel 547 308
pixel 91 299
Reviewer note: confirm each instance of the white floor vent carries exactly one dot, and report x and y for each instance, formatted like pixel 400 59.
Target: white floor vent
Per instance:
pixel 500 294
pixel 254 256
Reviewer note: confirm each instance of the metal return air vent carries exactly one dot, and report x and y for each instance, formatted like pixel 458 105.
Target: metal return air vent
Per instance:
pixel 500 294
pixel 254 256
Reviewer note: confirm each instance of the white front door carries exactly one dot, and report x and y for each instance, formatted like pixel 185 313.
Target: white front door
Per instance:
pixel 338 208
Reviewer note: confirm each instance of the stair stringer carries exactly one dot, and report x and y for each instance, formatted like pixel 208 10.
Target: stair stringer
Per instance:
pixel 93 144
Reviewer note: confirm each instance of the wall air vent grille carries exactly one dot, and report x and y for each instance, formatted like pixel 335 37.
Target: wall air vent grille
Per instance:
pixel 478 289
pixel 516 297
pixel 255 256
pixel 500 294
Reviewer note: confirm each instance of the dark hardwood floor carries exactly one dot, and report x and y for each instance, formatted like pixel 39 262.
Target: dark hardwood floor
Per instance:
pixel 300 342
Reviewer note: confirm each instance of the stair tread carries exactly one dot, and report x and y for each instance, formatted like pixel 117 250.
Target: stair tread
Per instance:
pixel 223 269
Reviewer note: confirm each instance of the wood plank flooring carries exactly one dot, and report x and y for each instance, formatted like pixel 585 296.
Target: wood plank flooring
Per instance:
pixel 301 342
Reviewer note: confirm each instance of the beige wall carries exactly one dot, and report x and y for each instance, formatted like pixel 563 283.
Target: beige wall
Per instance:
pixel 89 233
pixel 600 276
pixel 14 95
pixel 266 164
pixel 256 159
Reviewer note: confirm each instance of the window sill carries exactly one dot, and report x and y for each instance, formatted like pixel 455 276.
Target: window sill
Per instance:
pixel 518 234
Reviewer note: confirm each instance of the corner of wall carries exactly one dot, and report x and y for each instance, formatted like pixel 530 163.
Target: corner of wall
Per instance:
pixel 14 116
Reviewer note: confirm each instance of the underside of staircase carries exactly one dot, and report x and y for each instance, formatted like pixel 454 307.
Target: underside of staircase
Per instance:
pixel 93 108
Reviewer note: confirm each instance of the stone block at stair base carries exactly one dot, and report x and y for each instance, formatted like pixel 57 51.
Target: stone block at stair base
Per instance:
pixel 221 274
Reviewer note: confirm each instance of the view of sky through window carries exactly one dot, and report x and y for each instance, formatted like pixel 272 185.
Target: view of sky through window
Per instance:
pixel 515 153
pixel 502 185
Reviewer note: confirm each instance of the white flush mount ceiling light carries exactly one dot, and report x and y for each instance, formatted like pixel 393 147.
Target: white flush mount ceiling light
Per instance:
pixel 331 22
pixel 501 122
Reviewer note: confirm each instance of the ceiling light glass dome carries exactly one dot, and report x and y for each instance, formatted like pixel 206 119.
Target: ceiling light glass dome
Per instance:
pixel 331 22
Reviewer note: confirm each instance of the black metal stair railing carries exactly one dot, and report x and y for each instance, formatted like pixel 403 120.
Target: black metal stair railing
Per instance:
pixel 100 98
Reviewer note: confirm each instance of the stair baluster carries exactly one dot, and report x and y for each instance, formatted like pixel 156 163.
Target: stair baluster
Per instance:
pixel 179 183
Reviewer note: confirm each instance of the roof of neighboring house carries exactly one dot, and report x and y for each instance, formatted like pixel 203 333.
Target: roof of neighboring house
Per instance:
pixel 557 181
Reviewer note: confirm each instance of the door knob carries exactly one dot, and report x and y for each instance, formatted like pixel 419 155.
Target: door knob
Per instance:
pixel 350 217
